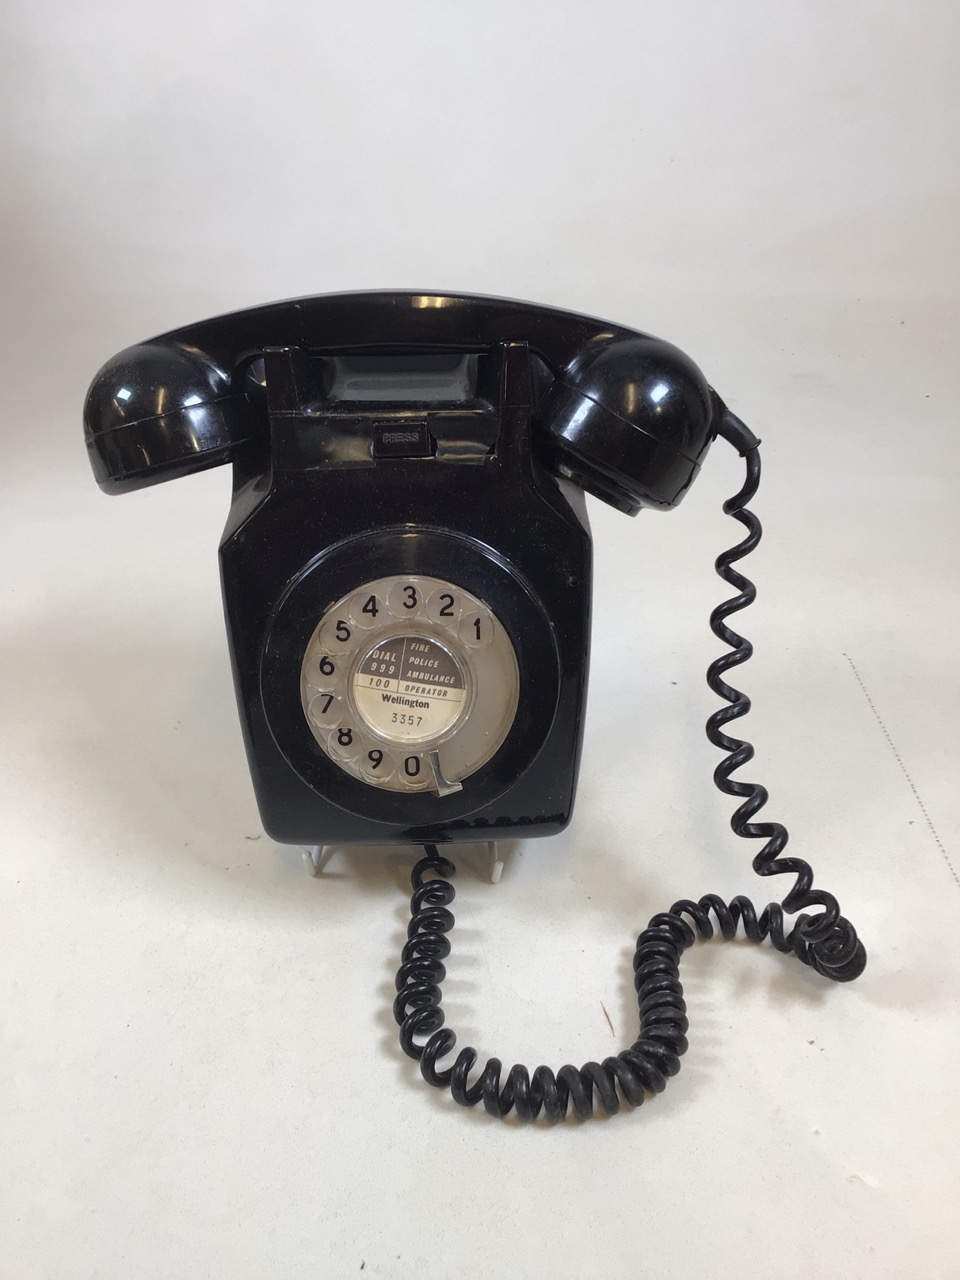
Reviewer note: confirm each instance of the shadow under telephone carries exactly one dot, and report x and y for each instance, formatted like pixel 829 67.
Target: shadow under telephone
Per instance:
pixel 406 578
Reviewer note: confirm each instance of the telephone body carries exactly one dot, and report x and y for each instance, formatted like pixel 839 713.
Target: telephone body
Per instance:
pixel 406 579
pixel 408 531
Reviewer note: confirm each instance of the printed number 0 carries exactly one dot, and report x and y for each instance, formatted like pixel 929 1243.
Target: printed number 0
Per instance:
pixel 411 766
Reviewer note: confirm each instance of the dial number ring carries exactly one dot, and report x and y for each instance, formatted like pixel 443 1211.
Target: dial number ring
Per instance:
pixel 401 667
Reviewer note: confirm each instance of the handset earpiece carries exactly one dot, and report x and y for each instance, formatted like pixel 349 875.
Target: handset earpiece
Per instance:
pixel 630 420
pixel 161 410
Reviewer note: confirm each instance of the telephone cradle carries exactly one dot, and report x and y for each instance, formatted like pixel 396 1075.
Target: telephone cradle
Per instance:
pixel 406 572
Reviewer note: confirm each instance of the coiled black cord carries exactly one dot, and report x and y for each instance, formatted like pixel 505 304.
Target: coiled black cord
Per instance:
pixel 826 941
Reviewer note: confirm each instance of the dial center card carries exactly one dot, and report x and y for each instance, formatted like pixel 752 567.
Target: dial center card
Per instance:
pixel 409 688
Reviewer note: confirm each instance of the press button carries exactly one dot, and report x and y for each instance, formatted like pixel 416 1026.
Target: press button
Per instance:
pixel 402 439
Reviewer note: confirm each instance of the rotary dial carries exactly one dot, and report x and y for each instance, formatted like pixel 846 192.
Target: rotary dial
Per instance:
pixel 410 684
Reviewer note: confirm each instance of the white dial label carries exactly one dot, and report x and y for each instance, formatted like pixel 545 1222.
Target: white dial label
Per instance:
pixel 409 688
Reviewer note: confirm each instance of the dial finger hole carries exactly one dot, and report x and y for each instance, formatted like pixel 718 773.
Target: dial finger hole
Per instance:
pixel 378 765
pixel 405 599
pixel 345 743
pixel 414 772
pixel 336 634
pixel 367 609
pixel 476 628
pixel 325 710
pixel 444 606
pixel 322 672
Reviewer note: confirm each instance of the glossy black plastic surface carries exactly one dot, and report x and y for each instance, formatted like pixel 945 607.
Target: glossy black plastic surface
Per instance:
pixel 161 410
pixel 401 432
pixel 501 529
pixel 630 419
pixel 624 414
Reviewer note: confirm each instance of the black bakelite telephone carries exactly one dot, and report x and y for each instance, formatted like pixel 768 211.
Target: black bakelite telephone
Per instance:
pixel 406 578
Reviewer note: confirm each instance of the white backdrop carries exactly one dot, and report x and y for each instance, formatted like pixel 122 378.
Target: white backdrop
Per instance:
pixel 201 1074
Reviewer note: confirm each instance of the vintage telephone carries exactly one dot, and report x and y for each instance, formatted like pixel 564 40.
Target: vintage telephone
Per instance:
pixel 406 579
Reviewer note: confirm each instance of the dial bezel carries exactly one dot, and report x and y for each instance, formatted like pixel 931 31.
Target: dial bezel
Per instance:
pixel 448 556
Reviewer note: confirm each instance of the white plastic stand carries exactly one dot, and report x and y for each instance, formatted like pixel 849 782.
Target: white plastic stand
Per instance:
pixel 315 857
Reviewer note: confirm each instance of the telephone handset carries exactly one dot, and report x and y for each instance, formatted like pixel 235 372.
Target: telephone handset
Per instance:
pixel 406 578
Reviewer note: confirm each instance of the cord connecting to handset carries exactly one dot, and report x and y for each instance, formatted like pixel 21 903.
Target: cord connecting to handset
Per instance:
pixel 826 941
